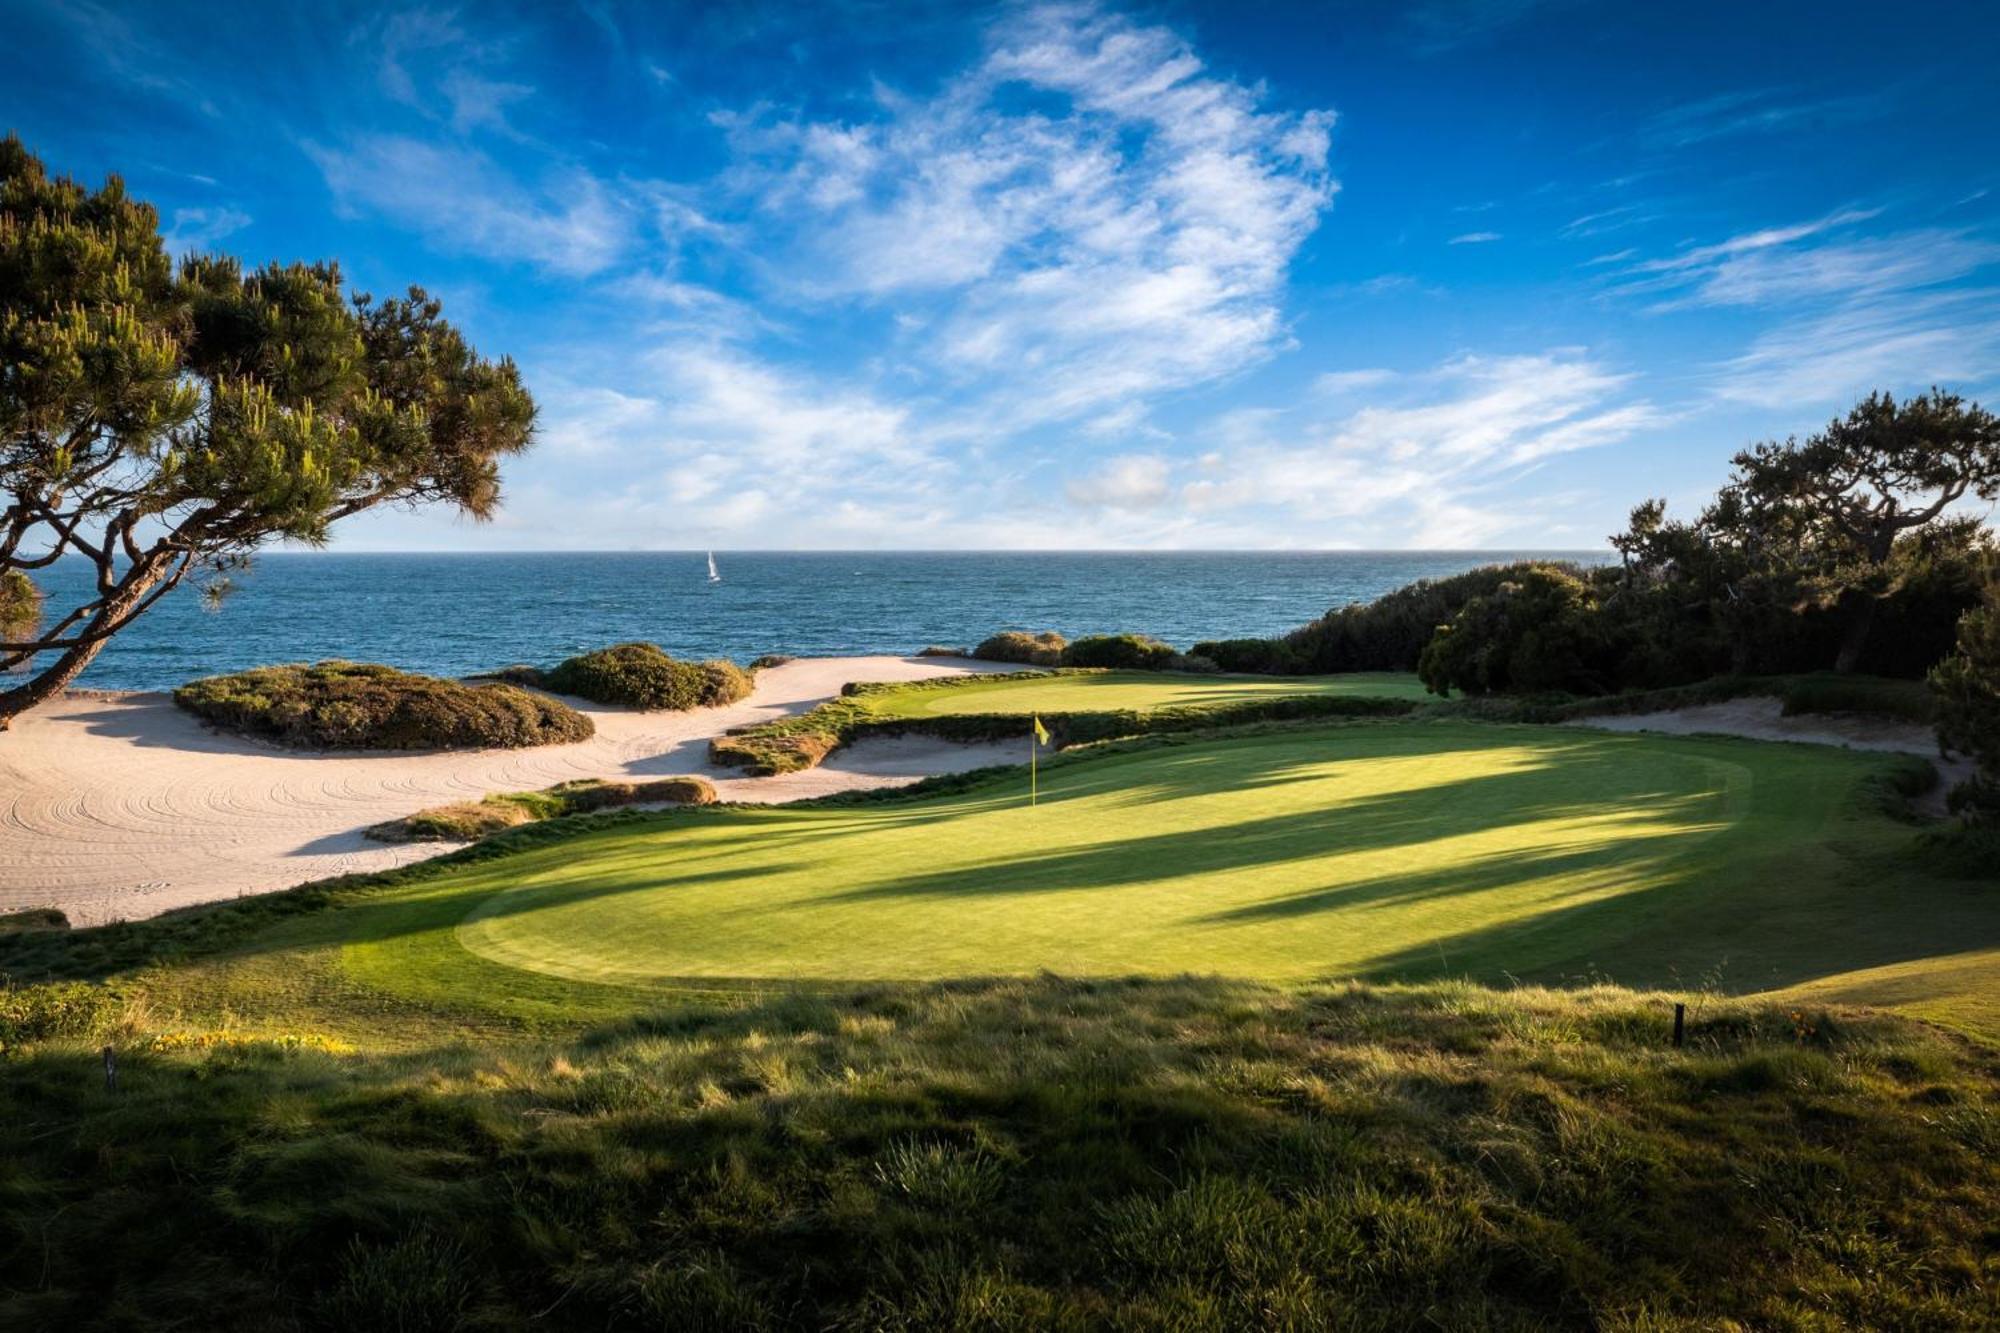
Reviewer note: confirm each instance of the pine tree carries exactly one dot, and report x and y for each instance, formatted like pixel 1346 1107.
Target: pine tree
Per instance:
pixel 164 420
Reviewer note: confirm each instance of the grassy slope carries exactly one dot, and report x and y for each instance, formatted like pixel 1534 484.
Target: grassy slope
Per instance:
pixel 1101 690
pixel 1040 1154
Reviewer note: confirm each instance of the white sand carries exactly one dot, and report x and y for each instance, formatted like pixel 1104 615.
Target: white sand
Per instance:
pixel 122 806
pixel 1764 719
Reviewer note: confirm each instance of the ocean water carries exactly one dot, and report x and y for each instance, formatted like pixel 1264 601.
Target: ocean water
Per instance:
pixel 452 614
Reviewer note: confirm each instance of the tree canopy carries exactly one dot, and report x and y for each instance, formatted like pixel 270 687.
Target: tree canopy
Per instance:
pixel 160 419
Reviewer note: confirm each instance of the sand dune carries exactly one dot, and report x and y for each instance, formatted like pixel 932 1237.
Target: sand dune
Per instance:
pixel 122 806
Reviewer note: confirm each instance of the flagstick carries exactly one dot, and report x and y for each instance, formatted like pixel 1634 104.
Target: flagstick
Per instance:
pixel 1033 747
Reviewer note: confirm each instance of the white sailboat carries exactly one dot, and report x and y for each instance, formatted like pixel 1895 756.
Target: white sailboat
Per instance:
pixel 713 576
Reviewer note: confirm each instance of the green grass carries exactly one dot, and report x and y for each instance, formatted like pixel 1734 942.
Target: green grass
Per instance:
pixel 1097 691
pixel 1378 850
pixel 809 1067
pixel 1031 1155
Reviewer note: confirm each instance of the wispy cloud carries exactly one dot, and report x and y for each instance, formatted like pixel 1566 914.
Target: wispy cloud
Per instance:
pixel 1853 311
pixel 1474 238
pixel 1427 461
pixel 200 229
pixel 461 200
pixel 1126 232
pixel 1748 112
pixel 1903 345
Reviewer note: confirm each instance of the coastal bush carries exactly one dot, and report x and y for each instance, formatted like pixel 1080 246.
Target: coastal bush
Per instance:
pixel 1263 657
pixel 53 1009
pixel 361 706
pixel 33 918
pixel 1532 634
pixel 942 650
pixel 520 673
pixel 1139 652
pixel 1044 649
pixel 1391 632
pixel 770 660
pixel 641 675
pixel 1968 708
pixel 468 821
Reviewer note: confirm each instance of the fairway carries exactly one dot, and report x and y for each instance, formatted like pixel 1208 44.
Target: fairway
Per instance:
pixel 1097 691
pixel 1396 850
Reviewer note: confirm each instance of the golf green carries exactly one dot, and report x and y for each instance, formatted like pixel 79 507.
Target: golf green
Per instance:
pixel 1373 850
pixel 1105 690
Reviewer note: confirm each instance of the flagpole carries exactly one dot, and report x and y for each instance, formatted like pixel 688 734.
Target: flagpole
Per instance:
pixel 1033 747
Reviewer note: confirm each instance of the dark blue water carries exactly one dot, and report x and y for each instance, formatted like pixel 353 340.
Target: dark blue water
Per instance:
pixel 458 614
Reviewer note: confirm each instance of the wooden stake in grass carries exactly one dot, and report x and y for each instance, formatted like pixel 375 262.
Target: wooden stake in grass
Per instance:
pixel 1680 1023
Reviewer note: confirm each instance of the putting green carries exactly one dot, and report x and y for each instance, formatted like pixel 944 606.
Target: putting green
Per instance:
pixel 1399 849
pixel 1105 690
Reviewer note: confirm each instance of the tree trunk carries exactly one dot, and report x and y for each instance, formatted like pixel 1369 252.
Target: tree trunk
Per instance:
pixel 1854 640
pixel 46 684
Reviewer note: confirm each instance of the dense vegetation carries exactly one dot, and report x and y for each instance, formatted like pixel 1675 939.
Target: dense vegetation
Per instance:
pixel 641 675
pixel 465 821
pixel 162 418
pixel 360 706
pixel 1131 652
pixel 1968 691
pixel 1033 1155
pixel 1044 649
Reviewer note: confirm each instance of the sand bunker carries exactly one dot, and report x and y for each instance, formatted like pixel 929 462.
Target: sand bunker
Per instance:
pixel 121 806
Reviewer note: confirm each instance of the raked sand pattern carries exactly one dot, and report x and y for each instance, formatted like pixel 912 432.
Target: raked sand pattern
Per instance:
pixel 119 807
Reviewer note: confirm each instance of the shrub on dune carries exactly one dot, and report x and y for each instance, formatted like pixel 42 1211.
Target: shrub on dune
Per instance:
pixel 1137 652
pixel 1263 657
pixel 1013 645
pixel 468 821
pixel 361 706
pixel 641 675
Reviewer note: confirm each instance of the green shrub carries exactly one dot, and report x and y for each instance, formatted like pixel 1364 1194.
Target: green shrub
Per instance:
pixel 54 1009
pixel 1044 649
pixel 520 674
pixel 32 918
pixel 1195 664
pixel 1968 707
pixel 1264 657
pixel 1136 652
pixel 942 650
pixel 359 706
pixel 640 675
pixel 469 821
pixel 771 660
pixel 1391 632
pixel 1531 634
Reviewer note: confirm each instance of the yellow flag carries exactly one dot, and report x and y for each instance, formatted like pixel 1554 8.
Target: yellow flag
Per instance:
pixel 1041 732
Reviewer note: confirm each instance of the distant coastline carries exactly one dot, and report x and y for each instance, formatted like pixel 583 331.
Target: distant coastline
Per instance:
pixel 451 613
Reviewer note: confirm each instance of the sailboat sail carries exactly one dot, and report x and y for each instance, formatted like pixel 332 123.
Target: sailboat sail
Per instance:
pixel 713 576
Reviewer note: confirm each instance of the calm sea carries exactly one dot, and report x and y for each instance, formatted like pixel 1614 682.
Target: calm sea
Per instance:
pixel 458 614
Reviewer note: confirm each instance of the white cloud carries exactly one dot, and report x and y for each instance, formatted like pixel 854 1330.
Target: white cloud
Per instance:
pixel 1429 465
pixel 460 200
pixel 1130 481
pixel 1125 233
pixel 1474 238
pixel 1903 344
pixel 201 229
pixel 1852 313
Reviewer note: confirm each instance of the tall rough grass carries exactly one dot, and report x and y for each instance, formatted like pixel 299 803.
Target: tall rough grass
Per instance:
pixel 1031 1154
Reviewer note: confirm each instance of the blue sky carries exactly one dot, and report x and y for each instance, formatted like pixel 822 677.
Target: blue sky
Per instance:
pixel 1481 273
